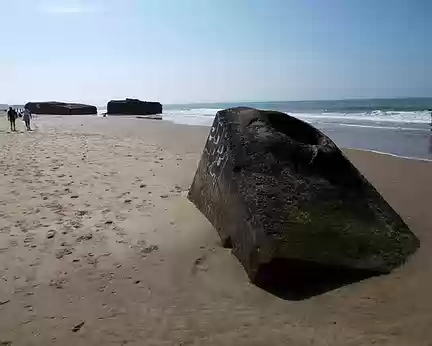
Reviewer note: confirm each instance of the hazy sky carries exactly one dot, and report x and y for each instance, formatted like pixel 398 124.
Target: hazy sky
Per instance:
pixel 214 50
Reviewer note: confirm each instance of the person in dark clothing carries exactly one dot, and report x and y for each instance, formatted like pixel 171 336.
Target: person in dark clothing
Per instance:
pixel 12 115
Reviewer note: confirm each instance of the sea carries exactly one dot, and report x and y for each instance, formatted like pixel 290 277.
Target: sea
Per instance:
pixel 402 110
pixel 394 126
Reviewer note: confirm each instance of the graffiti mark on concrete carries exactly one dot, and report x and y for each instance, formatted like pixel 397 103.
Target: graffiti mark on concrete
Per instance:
pixel 216 151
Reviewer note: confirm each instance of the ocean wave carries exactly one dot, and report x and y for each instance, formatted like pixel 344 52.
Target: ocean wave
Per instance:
pixel 193 112
pixel 204 116
pixel 400 128
pixel 377 116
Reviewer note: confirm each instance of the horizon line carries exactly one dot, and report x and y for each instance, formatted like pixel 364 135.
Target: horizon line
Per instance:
pixel 261 101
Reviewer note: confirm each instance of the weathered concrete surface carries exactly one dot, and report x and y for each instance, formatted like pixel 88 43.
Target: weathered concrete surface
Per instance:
pixel 133 107
pixel 288 201
pixel 61 108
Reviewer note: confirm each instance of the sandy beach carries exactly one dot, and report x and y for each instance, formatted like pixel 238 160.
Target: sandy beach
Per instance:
pixel 99 246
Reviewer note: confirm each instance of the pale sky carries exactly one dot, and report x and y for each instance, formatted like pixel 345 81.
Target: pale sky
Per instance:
pixel 179 51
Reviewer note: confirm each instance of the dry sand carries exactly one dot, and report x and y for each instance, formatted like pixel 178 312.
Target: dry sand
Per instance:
pixel 99 246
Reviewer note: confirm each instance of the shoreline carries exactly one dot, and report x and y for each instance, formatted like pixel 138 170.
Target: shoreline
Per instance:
pixel 388 154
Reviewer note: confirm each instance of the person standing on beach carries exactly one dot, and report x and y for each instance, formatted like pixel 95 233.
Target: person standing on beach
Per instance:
pixel 12 115
pixel 26 118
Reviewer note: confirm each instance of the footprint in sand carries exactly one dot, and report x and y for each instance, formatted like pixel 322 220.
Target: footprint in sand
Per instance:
pixel 120 217
pixel 149 249
pixel 29 239
pixel 51 234
pixel 91 259
pixel 84 237
pixel 76 224
pixel 58 283
pixel 200 264
pixel 119 231
pixel 144 248
pixel 123 194
pixel 60 253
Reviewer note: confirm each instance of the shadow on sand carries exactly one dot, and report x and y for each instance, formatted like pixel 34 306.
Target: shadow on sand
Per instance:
pixel 298 280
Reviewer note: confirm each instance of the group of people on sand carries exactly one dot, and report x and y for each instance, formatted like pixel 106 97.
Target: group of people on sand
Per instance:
pixel 12 116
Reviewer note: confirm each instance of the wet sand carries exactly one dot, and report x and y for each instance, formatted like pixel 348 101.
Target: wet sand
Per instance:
pixel 407 140
pixel 99 246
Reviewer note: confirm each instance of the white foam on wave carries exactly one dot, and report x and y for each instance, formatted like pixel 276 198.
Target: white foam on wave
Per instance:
pixel 393 155
pixel 199 116
pixel 387 127
pixel 376 116
pixel 205 116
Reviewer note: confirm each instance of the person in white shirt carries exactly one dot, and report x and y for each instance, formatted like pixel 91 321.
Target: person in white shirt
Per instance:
pixel 26 118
